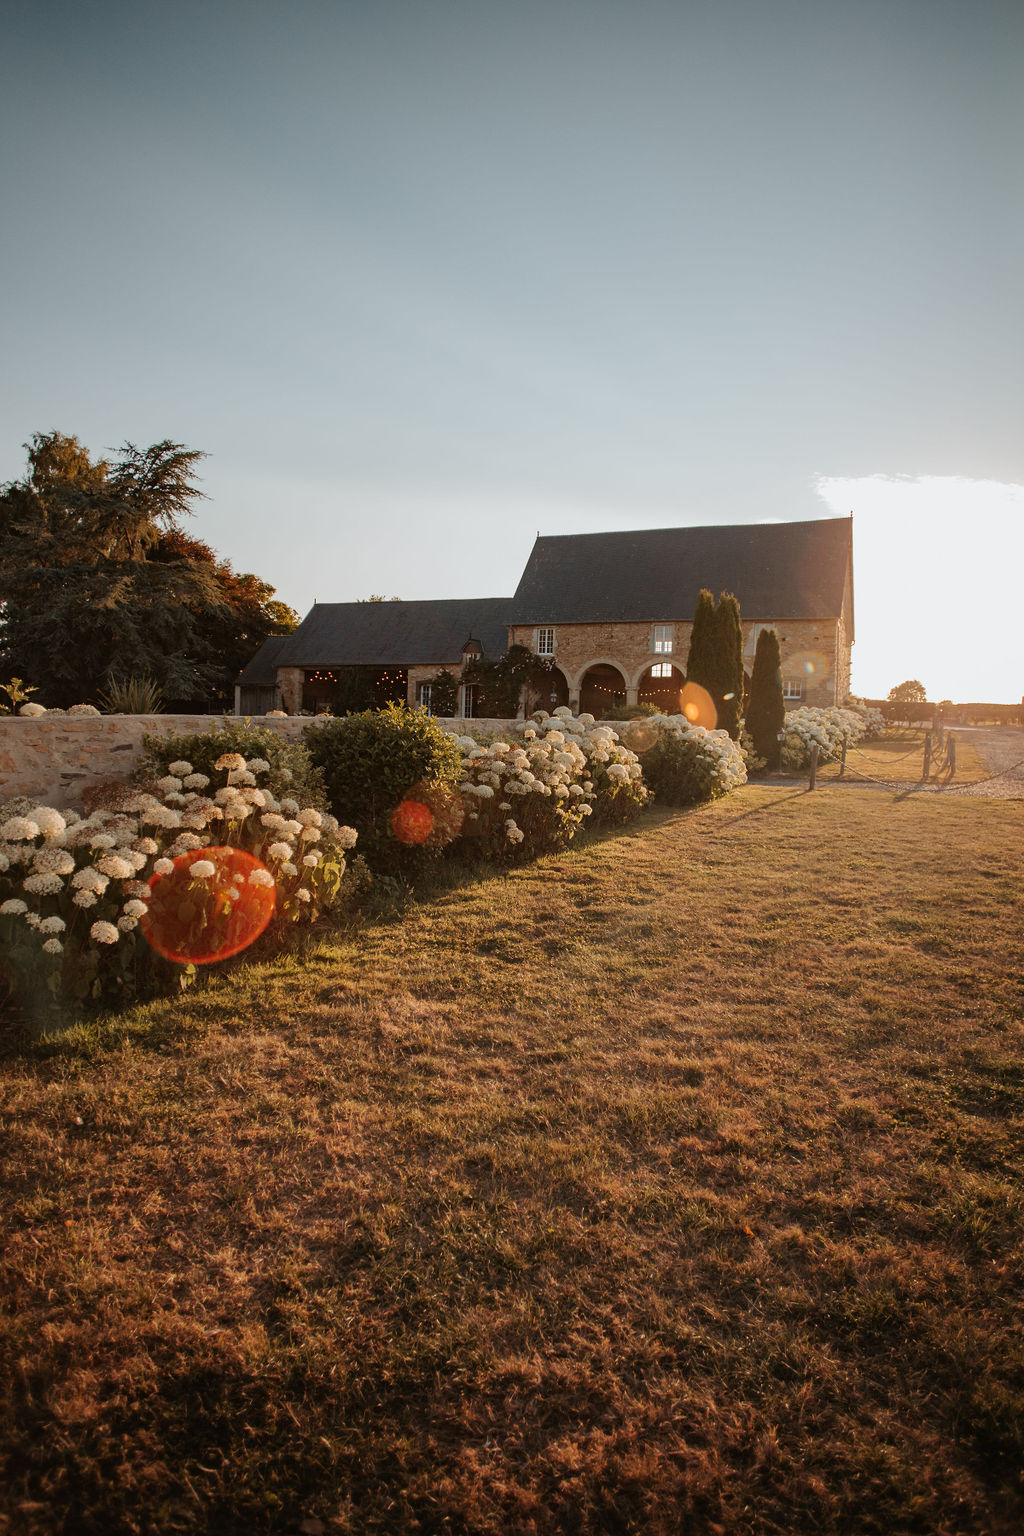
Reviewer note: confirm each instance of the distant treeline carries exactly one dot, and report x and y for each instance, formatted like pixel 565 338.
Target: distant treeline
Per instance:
pixel 949 714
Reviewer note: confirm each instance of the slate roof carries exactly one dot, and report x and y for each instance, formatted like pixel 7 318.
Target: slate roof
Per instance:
pixel 261 671
pixel 776 570
pixel 386 634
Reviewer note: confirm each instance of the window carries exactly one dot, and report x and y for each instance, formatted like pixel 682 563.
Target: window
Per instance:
pixel 424 694
pixel 792 691
pixel 662 669
pixel 468 701
pixel 545 645
pixel 662 642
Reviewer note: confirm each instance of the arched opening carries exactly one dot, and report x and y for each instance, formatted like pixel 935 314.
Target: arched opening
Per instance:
pixel 661 685
pixel 547 691
pixel 603 687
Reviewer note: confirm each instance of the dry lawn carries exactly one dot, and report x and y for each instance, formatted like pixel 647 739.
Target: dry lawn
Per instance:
pixel 898 758
pixel 672 1184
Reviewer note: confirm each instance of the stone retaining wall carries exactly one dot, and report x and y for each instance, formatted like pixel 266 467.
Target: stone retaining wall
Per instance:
pixel 53 758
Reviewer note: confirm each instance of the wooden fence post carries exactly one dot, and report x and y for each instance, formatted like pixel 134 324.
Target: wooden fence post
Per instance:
pixel 814 764
pixel 927 768
pixel 842 760
pixel 951 753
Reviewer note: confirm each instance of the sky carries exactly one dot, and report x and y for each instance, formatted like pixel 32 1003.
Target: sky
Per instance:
pixel 423 279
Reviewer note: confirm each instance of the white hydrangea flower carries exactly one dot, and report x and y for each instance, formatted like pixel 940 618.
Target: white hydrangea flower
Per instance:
pixel 202 869
pixel 261 877
pixel 52 946
pixel 310 817
pixel 103 933
pixel 135 909
pixel 258 765
pixel 52 925
pixel 311 860
pixel 12 907
pixel 19 828
pixel 163 867
pixel 53 861
pixel 346 837
pixel 195 781
pixel 89 879
pixel 170 784
pixel 43 885
pixel 160 816
pixel 50 822
pixel 303 894
pixel 31 711
pixel 280 851
pixel 126 924
pixel 116 867
pixel 288 868
pixel 85 898
pixel 233 762
pixel 290 807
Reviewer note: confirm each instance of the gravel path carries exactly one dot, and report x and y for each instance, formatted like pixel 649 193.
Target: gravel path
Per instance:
pixel 1001 749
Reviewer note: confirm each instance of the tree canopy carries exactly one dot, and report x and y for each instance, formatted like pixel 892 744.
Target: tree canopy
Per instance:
pixel 99 582
pixel 910 692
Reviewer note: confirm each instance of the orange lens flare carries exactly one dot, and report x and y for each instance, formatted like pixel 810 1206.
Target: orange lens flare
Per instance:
pixel 412 822
pixel 698 706
pixel 197 921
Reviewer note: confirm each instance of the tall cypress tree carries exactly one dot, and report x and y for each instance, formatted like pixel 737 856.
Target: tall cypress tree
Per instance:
pixel 727 693
pixel 700 659
pixel 766 710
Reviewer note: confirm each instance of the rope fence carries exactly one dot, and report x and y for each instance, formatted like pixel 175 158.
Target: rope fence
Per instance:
pixel 948 766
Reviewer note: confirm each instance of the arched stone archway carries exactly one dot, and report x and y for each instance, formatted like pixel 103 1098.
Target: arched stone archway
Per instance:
pixel 660 685
pixel 549 692
pixel 602 686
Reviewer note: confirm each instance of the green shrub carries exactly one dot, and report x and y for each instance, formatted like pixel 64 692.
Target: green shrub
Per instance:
pixel 629 711
pixel 291 773
pixel 370 763
pixel 688 764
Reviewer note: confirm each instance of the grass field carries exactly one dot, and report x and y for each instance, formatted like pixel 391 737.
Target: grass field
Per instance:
pixel 671 1184
pixel 898 758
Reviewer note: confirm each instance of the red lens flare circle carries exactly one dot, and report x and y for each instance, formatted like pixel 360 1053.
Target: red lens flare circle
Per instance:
pixel 197 922
pixel 412 822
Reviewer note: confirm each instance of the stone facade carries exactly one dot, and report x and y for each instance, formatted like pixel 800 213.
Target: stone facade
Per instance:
pixel 815 654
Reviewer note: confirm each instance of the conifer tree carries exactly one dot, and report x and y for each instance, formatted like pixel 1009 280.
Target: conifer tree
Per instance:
pixel 766 710
pixel 727 693
pixel 700 666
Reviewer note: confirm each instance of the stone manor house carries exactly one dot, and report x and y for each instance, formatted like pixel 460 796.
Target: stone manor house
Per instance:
pixel 612 612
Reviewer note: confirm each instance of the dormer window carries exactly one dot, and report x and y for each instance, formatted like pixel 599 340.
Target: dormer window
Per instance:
pixel 544 642
pixel 661 641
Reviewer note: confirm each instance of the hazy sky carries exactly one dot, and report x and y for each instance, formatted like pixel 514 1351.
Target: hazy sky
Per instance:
pixel 423 278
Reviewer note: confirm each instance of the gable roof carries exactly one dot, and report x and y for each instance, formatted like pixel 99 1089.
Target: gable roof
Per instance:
pixel 776 570
pixel 261 671
pixel 388 634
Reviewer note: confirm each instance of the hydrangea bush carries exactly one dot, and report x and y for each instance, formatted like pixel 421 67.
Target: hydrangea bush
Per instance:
pixel 531 794
pixel 74 888
pixel 688 764
pixel 287 768
pixel 828 728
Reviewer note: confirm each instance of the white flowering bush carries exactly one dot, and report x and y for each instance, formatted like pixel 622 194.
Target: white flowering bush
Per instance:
pixel 532 793
pixel 75 890
pixel 827 728
pixel 689 764
pixel 873 718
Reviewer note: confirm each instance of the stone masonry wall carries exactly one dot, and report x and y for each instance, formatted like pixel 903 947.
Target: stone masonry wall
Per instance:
pixel 809 649
pixel 53 759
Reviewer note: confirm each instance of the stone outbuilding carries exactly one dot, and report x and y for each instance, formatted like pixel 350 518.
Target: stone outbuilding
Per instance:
pixel 611 612
pixel 392 650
